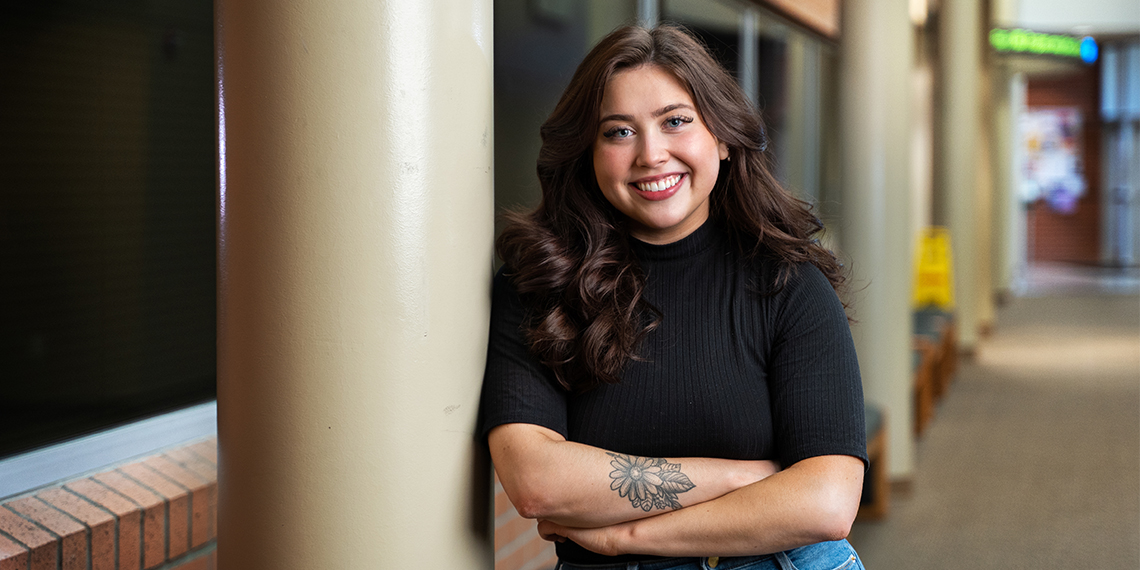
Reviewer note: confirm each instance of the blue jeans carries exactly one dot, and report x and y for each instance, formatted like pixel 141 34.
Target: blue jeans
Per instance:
pixel 837 555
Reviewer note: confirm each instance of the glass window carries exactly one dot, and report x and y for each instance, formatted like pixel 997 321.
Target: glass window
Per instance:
pixel 106 216
pixel 717 24
pixel 788 73
pixel 538 45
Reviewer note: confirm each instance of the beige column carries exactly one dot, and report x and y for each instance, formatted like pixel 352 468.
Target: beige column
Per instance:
pixel 1005 201
pixel 960 43
pixel 876 233
pixel 985 242
pixel 1006 98
pixel 355 223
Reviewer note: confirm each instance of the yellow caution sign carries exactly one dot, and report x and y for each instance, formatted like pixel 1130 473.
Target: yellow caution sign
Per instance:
pixel 934 277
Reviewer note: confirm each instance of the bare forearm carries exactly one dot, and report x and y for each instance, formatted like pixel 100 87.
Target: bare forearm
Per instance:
pixel 635 487
pixel 813 501
pixel 584 486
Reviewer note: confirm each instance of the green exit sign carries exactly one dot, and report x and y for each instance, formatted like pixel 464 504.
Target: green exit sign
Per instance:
pixel 1025 41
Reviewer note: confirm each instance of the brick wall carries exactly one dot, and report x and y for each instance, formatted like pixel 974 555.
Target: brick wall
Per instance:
pixel 1073 238
pixel 517 544
pixel 160 512
pixel 156 512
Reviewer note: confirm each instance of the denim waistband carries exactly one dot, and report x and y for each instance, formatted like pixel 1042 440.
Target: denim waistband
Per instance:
pixel 833 555
pixel 713 563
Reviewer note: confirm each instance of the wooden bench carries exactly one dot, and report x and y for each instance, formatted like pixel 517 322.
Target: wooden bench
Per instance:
pixel 924 365
pixel 935 332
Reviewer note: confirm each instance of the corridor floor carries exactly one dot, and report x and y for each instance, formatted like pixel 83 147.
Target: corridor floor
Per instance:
pixel 1033 458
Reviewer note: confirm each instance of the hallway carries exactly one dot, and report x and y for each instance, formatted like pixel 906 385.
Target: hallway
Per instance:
pixel 1033 458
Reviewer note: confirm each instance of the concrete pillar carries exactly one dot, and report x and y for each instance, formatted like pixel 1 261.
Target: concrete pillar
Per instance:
pixel 876 234
pixel 922 151
pixel 1005 201
pixel 355 226
pixel 985 243
pixel 959 49
pixel 1008 220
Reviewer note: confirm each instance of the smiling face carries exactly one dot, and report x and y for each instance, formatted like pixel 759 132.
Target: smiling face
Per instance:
pixel 655 160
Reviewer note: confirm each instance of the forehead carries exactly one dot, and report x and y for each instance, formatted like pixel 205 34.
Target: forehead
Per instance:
pixel 642 90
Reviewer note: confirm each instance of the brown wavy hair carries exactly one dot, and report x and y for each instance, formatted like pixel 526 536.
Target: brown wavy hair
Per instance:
pixel 570 258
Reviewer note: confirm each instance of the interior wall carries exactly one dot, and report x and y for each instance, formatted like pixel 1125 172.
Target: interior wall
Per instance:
pixel 1103 16
pixel 107 213
pixel 1072 238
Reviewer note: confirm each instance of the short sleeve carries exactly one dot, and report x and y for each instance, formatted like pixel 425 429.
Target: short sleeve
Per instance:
pixel 813 376
pixel 517 388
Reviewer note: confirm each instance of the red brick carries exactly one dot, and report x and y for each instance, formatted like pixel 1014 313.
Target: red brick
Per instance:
pixel 100 523
pixel 72 535
pixel 194 463
pixel 154 515
pixel 512 529
pixel 177 506
pixel 12 555
pixel 212 512
pixel 549 563
pixel 43 546
pixel 206 470
pixel 208 449
pixel 128 516
pixel 502 504
pixel 199 495
pixel 536 548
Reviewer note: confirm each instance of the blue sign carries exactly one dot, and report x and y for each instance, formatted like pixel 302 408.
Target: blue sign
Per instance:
pixel 1088 49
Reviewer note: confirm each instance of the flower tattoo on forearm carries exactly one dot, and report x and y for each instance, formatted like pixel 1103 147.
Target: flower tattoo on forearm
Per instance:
pixel 649 482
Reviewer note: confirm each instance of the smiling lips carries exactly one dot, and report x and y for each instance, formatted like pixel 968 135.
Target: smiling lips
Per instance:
pixel 660 188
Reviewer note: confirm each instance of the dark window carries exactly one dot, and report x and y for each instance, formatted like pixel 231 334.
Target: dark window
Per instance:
pixel 107 224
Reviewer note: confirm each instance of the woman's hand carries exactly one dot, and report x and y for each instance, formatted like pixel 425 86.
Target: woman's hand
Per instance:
pixel 812 501
pixel 608 540
pixel 605 540
pixel 551 531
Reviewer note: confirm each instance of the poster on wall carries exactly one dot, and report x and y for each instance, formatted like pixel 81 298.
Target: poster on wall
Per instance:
pixel 1051 141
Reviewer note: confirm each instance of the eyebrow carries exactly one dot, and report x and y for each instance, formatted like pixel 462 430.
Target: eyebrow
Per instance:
pixel 657 113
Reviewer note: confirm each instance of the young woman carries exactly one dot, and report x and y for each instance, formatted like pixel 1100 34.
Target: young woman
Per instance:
pixel 671 381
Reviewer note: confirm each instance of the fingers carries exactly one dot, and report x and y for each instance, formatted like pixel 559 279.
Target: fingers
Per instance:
pixel 551 531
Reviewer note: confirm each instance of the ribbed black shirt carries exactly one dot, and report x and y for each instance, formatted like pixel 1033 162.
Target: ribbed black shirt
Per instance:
pixel 729 373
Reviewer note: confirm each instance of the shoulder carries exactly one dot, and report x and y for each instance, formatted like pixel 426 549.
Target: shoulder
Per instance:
pixel 797 294
pixel 780 280
pixel 807 279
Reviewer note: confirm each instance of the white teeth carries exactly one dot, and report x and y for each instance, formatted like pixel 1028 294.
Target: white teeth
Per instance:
pixel 659 185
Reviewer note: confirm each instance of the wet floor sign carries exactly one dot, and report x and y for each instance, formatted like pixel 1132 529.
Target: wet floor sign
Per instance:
pixel 934 278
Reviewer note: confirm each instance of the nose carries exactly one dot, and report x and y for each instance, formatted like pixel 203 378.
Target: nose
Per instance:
pixel 654 150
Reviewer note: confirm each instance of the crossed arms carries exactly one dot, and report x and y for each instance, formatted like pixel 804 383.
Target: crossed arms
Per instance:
pixel 696 506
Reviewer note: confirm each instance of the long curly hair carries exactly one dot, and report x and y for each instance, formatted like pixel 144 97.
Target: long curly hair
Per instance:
pixel 570 258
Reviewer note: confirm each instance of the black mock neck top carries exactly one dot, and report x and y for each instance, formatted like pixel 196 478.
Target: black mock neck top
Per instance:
pixel 730 372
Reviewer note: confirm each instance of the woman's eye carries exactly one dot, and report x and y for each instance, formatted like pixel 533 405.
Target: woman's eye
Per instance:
pixel 619 132
pixel 676 122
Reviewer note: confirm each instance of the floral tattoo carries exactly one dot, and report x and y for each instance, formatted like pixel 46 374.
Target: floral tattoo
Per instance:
pixel 649 482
